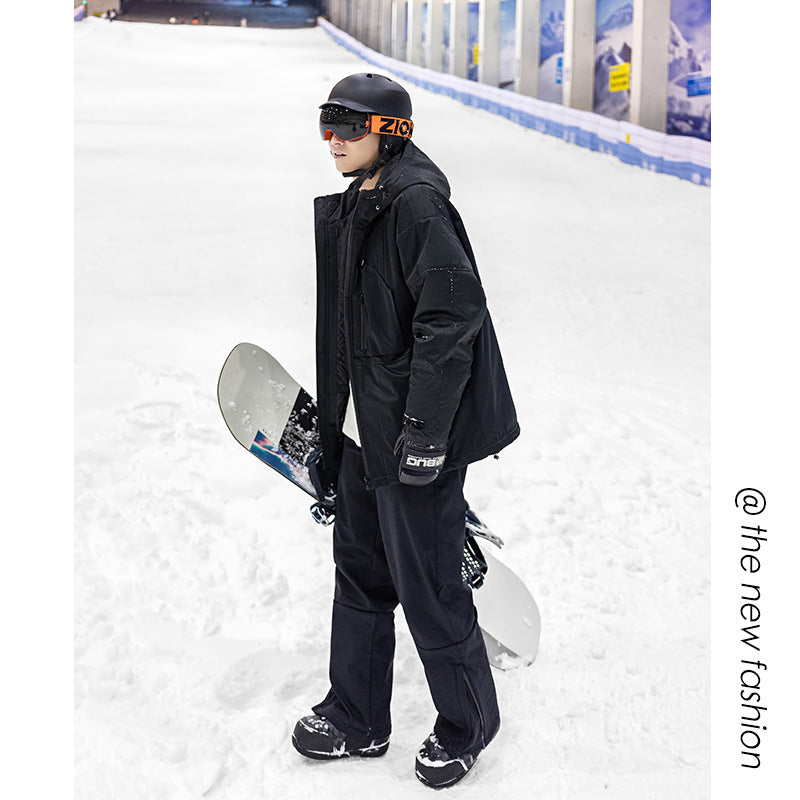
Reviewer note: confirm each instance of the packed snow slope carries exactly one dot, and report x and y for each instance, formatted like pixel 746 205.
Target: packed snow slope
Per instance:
pixel 203 587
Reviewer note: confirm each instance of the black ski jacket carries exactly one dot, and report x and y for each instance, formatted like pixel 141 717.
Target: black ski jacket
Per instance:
pixel 401 316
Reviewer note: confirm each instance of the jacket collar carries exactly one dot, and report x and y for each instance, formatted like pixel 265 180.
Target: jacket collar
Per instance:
pixel 409 167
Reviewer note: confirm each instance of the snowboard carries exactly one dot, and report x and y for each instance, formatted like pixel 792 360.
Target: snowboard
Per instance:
pixel 271 415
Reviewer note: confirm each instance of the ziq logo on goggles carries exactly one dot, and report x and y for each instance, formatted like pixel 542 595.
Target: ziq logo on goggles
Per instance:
pixel 350 126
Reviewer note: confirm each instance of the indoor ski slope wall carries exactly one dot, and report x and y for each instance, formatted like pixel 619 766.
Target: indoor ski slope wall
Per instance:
pixel 684 157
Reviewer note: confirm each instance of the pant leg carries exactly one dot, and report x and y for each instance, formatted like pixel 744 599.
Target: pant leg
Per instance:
pixel 423 535
pixel 362 627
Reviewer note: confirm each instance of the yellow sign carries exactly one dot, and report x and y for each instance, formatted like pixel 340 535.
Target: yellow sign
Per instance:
pixel 475 49
pixel 619 77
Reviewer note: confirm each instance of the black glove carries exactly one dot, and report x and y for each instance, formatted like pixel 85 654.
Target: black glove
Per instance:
pixel 420 460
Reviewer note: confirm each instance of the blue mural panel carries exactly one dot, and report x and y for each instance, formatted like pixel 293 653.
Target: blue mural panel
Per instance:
pixel 689 90
pixel 612 52
pixel 508 34
pixel 473 22
pixel 551 51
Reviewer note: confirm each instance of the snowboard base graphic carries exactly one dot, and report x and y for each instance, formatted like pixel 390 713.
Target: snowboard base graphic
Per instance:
pixel 275 419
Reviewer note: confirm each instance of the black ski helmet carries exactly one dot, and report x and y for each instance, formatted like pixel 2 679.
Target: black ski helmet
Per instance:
pixel 371 93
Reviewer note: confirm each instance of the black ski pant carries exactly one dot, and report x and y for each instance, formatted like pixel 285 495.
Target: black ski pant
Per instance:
pixel 404 544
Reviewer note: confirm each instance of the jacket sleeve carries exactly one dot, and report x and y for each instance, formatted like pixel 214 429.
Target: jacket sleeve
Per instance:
pixel 449 310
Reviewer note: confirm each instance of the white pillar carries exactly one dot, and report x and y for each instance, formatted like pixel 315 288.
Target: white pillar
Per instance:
pixel 373 24
pixel 489 42
pixel 385 28
pixel 414 42
pixel 365 18
pixel 434 35
pixel 377 17
pixel 526 47
pixel 362 20
pixel 352 16
pixel 579 33
pixel 459 30
pixel 338 13
pixel 399 32
pixel 650 63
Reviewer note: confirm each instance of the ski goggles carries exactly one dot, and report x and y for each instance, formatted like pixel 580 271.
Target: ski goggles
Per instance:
pixel 350 126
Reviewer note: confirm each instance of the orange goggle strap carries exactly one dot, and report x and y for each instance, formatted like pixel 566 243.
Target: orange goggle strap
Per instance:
pixel 391 126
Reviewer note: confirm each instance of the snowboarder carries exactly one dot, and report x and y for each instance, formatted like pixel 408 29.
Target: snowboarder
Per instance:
pixel 411 389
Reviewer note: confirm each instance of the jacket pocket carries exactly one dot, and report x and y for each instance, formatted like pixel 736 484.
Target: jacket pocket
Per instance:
pixel 379 330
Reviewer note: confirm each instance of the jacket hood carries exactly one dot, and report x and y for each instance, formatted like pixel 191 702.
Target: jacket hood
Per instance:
pixel 410 167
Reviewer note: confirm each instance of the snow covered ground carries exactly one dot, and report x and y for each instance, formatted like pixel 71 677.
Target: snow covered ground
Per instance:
pixel 203 587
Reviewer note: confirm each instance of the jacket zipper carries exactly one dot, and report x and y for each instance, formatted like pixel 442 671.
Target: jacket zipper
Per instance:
pixel 363 331
pixel 349 356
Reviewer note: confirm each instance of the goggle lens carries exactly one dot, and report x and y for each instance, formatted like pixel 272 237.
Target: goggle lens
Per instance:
pixel 349 126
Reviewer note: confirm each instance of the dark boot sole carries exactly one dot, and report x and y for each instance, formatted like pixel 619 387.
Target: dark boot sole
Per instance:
pixel 455 780
pixel 442 783
pixel 364 752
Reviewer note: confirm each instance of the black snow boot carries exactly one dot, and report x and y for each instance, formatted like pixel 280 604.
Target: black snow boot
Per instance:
pixel 317 737
pixel 437 768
